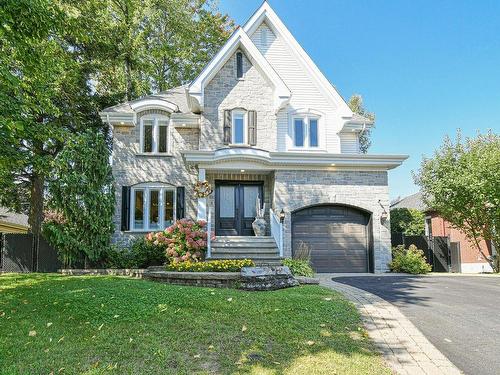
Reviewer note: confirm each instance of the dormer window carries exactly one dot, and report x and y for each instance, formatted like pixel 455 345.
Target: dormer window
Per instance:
pixel 305 131
pixel 239 65
pixel 154 134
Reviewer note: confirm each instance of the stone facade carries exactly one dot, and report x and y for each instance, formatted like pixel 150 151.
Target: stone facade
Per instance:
pixel 225 91
pixel 296 189
pixel 130 167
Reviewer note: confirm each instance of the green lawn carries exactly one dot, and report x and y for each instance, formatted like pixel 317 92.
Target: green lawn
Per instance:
pixel 110 325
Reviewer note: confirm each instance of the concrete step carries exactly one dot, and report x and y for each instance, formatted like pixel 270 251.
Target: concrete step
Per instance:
pixel 245 256
pixel 239 250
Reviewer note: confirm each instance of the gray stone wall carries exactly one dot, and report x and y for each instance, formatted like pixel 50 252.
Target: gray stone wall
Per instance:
pixel 297 189
pixel 225 91
pixel 131 168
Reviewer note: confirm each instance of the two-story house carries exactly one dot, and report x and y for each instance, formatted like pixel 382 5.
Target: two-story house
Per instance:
pixel 260 120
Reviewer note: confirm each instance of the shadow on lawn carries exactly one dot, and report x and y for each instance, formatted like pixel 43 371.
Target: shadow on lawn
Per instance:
pixel 300 330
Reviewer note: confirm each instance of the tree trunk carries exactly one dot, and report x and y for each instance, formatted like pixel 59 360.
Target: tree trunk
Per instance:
pixel 35 218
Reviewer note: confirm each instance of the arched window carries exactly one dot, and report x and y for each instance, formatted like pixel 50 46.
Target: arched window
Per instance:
pixel 239 65
pixel 154 134
pixel 153 206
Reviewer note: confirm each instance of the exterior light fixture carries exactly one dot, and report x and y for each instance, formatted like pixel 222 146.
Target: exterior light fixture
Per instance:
pixel 242 171
pixel 282 216
pixel 122 123
pixel 384 215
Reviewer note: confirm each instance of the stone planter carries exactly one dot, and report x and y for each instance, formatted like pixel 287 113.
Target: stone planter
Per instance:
pixel 259 226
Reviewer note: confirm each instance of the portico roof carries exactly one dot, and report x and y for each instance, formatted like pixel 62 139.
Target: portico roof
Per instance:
pixel 246 158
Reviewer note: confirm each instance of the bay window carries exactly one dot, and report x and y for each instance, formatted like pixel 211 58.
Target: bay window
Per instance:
pixel 154 134
pixel 153 207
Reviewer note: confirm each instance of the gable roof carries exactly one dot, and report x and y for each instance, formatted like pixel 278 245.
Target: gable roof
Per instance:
pixel 266 14
pixel 412 201
pixel 239 39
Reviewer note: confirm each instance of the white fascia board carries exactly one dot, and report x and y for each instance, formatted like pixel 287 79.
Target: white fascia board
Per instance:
pixel 265 12
pixel 281 160
pixel 118 118
pixel 239 39
pixel 350 127
pixel 141 105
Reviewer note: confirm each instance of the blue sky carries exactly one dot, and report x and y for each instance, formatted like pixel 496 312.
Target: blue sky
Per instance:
pixel 425 68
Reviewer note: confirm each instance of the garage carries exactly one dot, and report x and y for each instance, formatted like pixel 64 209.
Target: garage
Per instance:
pixel 337 236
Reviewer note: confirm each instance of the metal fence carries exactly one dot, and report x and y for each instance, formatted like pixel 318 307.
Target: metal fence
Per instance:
pixel 20 252
pixel 442 255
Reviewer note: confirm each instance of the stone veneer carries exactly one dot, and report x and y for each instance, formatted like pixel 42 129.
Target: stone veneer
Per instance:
pixel 225 91
pixel 130 167
pixel 296 189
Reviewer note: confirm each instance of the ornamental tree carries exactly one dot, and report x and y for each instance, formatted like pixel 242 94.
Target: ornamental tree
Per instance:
pixel 409 221
pixel 462 183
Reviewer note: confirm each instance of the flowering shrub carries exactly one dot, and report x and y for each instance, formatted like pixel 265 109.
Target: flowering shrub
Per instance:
pixel 226 265
pixel 411 260
pixel 185 240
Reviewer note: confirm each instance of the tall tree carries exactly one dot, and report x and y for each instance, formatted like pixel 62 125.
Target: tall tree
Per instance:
pixel 462 183
pixel 80 192
pixel 44 98
pixel 355 103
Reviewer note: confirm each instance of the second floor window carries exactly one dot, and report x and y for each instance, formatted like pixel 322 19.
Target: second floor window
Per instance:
pixel 239 127
pixel 305 132
pixel 155 135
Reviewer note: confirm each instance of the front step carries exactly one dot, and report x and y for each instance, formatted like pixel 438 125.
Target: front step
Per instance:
pixel 262 250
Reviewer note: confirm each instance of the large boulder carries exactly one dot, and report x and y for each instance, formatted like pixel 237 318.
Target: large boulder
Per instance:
pixel 266 278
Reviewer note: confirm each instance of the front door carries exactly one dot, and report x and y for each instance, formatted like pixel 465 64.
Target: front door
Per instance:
pixel 235 207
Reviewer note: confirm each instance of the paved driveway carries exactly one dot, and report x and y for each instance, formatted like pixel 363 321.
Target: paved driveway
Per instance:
pixel 460 315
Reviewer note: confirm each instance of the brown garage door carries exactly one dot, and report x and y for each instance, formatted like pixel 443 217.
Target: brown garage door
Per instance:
pixel 336 235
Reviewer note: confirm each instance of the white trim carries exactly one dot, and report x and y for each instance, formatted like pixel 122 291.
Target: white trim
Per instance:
pixel 143 105
pixel 156 134
pixel 239 40
pixel 265 160
pixel 267 14
pixel 475 267
pixel 243 114
pixel 147 188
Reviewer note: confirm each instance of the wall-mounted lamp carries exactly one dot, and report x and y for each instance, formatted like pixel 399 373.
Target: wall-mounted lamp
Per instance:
pixel 384 215
pixel 282 216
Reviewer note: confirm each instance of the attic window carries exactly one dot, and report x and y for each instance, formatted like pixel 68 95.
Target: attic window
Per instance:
pixel 239 65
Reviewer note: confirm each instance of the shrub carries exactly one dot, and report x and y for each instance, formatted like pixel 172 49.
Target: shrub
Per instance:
pixel 226 265
pixel 299 267
pixel 411 260
pixel 185 240
pixel 409 221
pixel 140 254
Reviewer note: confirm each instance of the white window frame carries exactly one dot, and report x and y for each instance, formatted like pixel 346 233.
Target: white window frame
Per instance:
pixel 156 134
pixel 146 188
pixel 306 117
pixel 243 113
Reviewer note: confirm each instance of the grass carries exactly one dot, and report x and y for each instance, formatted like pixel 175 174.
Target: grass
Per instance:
pixel 53 324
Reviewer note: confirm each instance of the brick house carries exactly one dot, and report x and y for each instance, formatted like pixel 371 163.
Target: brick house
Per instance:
pixel 471 260
pixel 260 121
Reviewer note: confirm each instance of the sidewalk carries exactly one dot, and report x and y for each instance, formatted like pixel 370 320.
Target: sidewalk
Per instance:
pixel 404 347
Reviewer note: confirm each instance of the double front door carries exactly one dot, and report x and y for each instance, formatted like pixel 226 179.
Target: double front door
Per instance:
pixel 235 207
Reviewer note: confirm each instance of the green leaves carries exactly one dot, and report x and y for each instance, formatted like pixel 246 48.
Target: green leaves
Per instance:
pixel 462 183
pixel 409 221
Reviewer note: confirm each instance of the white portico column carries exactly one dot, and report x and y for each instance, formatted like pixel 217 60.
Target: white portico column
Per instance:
pixel 202 202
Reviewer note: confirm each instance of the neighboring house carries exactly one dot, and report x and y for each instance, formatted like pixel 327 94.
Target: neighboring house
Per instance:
pixel 11 222
pixel 260 120
pixel 471 260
